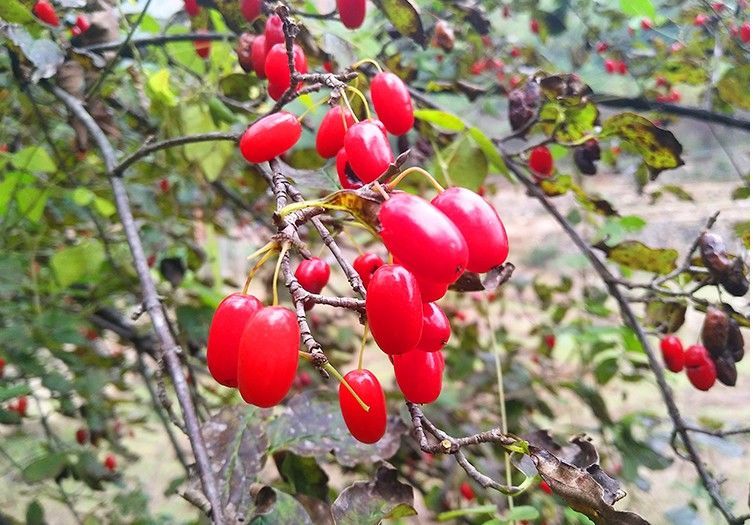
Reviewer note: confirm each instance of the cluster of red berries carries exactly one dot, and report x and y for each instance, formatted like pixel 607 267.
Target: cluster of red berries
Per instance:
pixel 671 94
pixel 45 12
pixel 202 47
pixel 19 406
pixel 695 359
pixel 613 65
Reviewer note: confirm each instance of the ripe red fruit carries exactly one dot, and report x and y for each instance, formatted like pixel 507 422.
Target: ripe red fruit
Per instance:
pixel 392 102
pixel 700 20
pixel 534 26
pixel 192 7
pixel 506 11
pixel 110 463
pixel 394 310
pixel 251 9
pixel 2 366
pixel 270 137
pixel 436 329
pixel 225 332
pixel 541 161
pixel 365 265
pixel 431 290
pixel 545 487
pixel 662 82
pixel 276 64
pixel 515 52
pixel 744 33
pixel 345 173
pixel 20 406
pixel 646 24
pixel 331 133
pixel 610 66
pixel 622 67
pixel 479 224
pixel 268 356
pixel 352 12
pixel 82 436
pixel 369 152
pixel 366 427
pixel 80 26
pixel 313 274
pixel 466 491
pixel 259 56
pixel 673 353
pixel 273 32
pixel 419 375
pixel 674 96
pixel 327 65
pixel 46 13
pixel 202 47
pixel 550 340
pixel 478 67
pixel 276 91
pixel 718 6
pixel 423 238
pixel 601 47
pixel 699 367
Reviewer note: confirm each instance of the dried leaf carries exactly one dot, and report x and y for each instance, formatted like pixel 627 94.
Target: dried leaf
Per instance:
pixel 638 256
pixel 371 502
pixel 405 15
pixel 734 87
pixel 493 279
pixel 666 316
pixel 274 507
pixel 524 104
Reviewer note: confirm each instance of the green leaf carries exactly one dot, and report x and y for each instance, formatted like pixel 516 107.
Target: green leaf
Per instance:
pixel 304 475
pixel 15 12
pixel 524 512
pixel 442 119
pixel 465 163
pixel 104 207
pixel 33 159
pixel 46 467
pixel 72 264
pixel 159 90
pixel 734 87
pixel 405 15
pixel 742 230
pixel 644 8
pixel 35 513
pixel 82 196
pixel 568 123
pixel 284 509
pixel 13 392
pixel 470 511
pixel 31 202
pixel 490 150
pixel 638 256
pixel 666 316
pixel 7 188
pixel 371 502
pixel 658 147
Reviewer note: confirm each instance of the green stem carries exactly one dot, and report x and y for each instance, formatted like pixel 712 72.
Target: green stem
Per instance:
pixel 283 251
pixel 363 345
pixel 415 169
pixel 363 100
pixel 255 269
pixel 332 370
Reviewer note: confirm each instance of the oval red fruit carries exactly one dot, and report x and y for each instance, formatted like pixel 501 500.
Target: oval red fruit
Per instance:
pixel 192 7
pixel 480 225
pixel 699 367
pixel 46 13
pixel 673 353
pixel 110 463
pixel 2 366
pixel 535 26
pixel 365 265
pixel 273 32
pixel 276 64
pixel 313 274
pixel 466 491
pixel 276 91
pixel 392 102
pixel 202 47
pixel 744 33
pixel 259 56
pixel 541 161
pixel 436 329
pixel 331 133
pixel 352 12
pixel 419 375
pixel 82 24
pixel 345 174
pixel 251 9
pixel 82 436
pixel 366 427
pixel 394 310
pixel 369 152
pixel 545 487
pixel 646 24
pixel 270 137
pixel 268 356
pixel 431 290
pixel 225 332
pixel 423 238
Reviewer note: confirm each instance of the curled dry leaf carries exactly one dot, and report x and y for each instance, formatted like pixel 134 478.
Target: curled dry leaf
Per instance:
pixel 493 279
pixel 524 105
pixel 714 256
pixel 371 502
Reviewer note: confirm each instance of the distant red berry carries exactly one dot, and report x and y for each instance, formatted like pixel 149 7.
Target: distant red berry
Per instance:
pixel 745 33
pixel 46 13
pixel 662 82
pixel 110 463
pixel 718 6
pixel 487 41
pixel 80 26
pixel 506 13
pixel 478 67
pixel 545 487
pixel 622 68
pixel 515 52
pixel 327 65
pixel 674 96
pixel 164 185
pixel 82 436
pixel 550 340
pixel 610 65
pixel 251 9
pixel 535 26
pixel 2 366
pixel 192 7
pixel 646 24
pixel 467 491
pixel 700 20
pixel 20 406
pixel 202 47
pixel 601 47
pixel 541 161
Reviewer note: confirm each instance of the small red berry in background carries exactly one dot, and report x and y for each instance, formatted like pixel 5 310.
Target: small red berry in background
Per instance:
pixel 541 161
pixel 270 137
pixel 506 13
pixel 515 52
pixel 82 436
pixel 352 12
pixel 2 366
pixel 700 20
pixel 673 353
pixel 487 41
pixel 601 47
pixel 545 487
pixel 110 463
pixel 251 9
pixel 327 65
pixel 744 33
pixel 80 26
pixel 674 96
pixel 202 47
pixel 44 11
pixel 535 26
pixel 550 340
pixel 20 406
pixel 718 6
pixel 662 82
pixel 302 380
pixel 478 67
pixel 622 68
pixel 699 367
pixel 610 65
pixel 192 7
pixel 365 265
pixel 646 24
pixel 164 185
pixel 467 491
pixel 313 274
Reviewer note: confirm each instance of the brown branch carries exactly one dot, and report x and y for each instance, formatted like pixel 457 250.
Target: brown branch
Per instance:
pixel 152 41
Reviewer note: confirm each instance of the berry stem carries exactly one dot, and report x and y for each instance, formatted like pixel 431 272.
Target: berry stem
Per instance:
pixel 363 99
pixel 353 242
pixel 332 370
pixel 350 108
pixel 283 251
pixel 415 169
pixel 367 61
pixel 312 107
pixel 295 206
pixel 262 250
pixel 363 345
pixel 378 187
pixel 255 269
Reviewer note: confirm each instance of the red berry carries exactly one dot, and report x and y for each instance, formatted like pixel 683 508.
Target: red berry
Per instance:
pixel 744 33
pixel 700 20
pixel 673 353
pixel 251 9
pixel 610 65
pixel 392 102
pixel 2 366
pixel 276 64
pixel 366 427
pixel 674 96
pixel 479 224
pixel 352 12
pixel 601 47
pixel 718 6
pixel 534 26
pixel 369 152
pixel 268 356
pixel 662 82
pixel 699 367
pixel 82 436
pixel 419 375
pixel 545 487
pixel 515 52
pixel 270 137
pixel 273 32
pixel 622 67
pixel 20 406
pixel 506 11
pixel 466 491
pixel 365 265
pixel 541 161
pixel 259 56
pixel 646 24
pixel 431 290
pixel 393 309
pixel 202 47
pixel 313 274
pixel 225 332
pixel 276 91
pixel 331 133
pixel 164 185
pixel 110 463
pixel 192 7
pixel 81 25
pixel 345 173
pixel 423 238
pixel 486 40
pixel 436 329
pixel 550 340
pixel 478 67
pixel 46 13
pixel 327 65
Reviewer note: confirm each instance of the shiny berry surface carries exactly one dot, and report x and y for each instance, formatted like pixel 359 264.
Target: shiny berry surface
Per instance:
pixel 81 24
pixel 480 225
pixel 268 356
pixel 352 12
pixel 276 91
pixel 251 9
pixel 436 329
pixel 365 265
pixel 431 290
pixel 419 375
pixel 699 367
pixel 541 161
pixel 345 173
pixel 423 238
pixel 276 64
pixel 273 32
pixel 270 137
pixel 313 274
pixel 369 151
pixel 225 332
pixel 46 13
pixel 392 102
pixel 366 427
pixel 673 353
pixel 259 56
pixel 331 133
pixel 394 310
